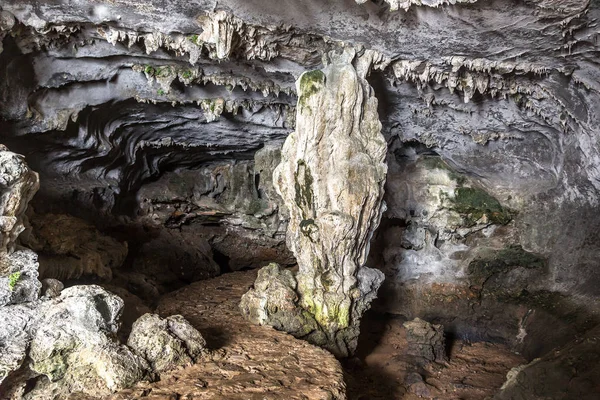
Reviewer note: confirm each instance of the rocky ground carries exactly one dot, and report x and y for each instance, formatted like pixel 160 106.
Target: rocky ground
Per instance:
pixel 382 369
pixel 251 362
pixel 245 361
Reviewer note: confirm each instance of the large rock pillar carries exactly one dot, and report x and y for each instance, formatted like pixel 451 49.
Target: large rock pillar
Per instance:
pixel 331 179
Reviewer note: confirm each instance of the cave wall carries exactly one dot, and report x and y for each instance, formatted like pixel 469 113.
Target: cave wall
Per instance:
pixel 148 121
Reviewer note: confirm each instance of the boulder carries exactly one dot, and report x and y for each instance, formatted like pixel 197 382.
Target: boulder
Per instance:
pixel 18 184
pixel 165 343
pixel 425 341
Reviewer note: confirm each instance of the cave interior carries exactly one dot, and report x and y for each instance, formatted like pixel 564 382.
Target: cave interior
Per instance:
pixel 148 174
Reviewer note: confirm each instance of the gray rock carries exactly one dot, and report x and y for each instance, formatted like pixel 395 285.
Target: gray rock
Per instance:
pixel 274 301
pixel 70 339
pixel 14 337
pixel 426 341
pixel 52 288
pixel 18 184
pixel 165 343
pixel 74 342
pixel 20 284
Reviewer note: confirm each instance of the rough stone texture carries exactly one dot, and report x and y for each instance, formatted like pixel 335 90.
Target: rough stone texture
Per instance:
pixel 244 360
pixel 71 248
pixel 426 340
pixel 20 284
pixel 331 179
pixel 405 4
pixel 165 343
pixel 52 288
pixel 274 301
pixel 569 372
pixel 176 87
pixel 18 184
pixel 107 98
pixel 70 340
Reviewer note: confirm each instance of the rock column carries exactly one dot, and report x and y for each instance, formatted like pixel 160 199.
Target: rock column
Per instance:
pixel 331 179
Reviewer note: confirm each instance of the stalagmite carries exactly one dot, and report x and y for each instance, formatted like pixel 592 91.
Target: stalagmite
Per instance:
pixel 331 179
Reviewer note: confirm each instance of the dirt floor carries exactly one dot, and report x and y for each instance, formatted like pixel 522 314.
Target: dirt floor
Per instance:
pixel 251 362
pixel 383 370
pixel 243 361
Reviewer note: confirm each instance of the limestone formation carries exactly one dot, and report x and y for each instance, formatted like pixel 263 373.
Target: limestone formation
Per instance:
pixel 406 4
pixel 69 339
pixel 72 343
pixel 165 343
pixel 18 184
pixel 18 269
pixel 146 119
pixel 67 336
pixel 331 179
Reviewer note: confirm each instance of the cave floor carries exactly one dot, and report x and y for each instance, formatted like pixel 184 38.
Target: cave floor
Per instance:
pixel 243 361
pixel 383 370
pixel 251 362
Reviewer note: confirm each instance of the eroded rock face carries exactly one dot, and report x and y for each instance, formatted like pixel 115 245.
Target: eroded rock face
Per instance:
pixel 70 340
pixel 331 179
pixel 71 248
pixel 73 343
pixel 65 341
pixel 18 184
pixel 110 98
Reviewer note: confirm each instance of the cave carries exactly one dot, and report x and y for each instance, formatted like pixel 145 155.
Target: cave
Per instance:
pixel 302 199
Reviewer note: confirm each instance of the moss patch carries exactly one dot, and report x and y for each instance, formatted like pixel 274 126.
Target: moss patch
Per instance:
pixel 474 203
pixel 436 162
pixel 310 83
pixel 13 279
pixel 148 69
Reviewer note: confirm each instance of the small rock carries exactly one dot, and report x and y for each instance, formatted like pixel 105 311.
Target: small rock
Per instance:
pixel 415 384
pixel 52 287
pixel 426 340
pixel 165 343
